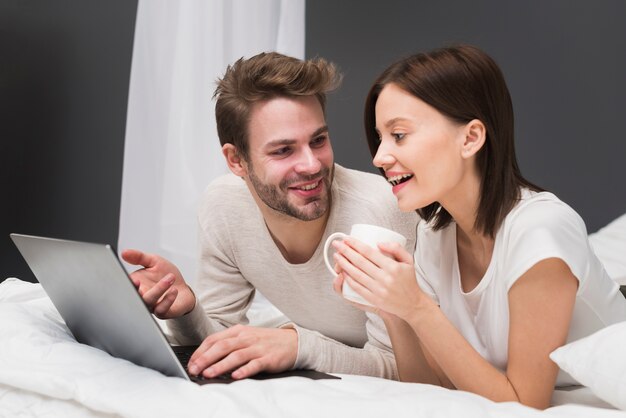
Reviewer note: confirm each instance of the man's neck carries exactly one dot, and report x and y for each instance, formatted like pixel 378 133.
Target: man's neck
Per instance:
pixel 297 240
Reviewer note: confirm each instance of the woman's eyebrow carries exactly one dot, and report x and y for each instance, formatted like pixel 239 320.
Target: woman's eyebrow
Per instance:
pixel 395 120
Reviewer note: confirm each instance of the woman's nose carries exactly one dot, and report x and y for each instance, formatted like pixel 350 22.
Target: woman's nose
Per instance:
pixel 383 158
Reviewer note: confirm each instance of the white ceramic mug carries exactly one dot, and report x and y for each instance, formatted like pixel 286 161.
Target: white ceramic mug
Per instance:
pixel 370 235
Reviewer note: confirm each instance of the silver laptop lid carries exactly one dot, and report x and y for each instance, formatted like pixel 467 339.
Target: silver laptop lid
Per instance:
pixel 100 305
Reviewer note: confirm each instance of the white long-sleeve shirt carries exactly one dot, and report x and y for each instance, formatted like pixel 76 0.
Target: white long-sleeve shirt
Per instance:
pixel 238 256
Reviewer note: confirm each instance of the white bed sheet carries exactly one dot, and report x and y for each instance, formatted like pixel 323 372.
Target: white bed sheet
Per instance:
pixel 45 372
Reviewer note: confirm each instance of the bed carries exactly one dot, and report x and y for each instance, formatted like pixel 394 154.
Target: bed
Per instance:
pixel 45 372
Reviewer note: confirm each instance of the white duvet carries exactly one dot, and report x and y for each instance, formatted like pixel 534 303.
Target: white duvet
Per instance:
pixel 45 372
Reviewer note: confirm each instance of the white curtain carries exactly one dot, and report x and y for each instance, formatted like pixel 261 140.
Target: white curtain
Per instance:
pixel 172 151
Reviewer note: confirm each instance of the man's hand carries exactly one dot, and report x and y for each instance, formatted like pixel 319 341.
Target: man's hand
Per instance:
pixel 245 351
pixel 160 285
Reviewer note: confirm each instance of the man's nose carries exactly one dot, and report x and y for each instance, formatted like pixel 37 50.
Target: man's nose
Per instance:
pixel 308 162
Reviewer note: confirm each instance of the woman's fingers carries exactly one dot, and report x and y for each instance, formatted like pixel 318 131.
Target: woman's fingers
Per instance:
pixel 384 276
pixel 361 290
pixel 396 252
pixel 338 283
pixel 352 270
pixel 362 256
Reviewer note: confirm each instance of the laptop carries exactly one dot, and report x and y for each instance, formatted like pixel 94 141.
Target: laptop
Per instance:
pixel 90 288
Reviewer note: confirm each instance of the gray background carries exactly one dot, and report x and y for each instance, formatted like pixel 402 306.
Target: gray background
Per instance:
pixel 65 68
pixel 64 74
pixel 564 62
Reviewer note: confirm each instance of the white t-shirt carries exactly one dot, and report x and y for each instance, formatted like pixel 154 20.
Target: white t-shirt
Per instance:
pixel 540 226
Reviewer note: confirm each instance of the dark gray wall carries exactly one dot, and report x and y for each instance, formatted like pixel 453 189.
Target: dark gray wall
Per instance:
pixel 65 67
pixel 564 61
pixel 64 74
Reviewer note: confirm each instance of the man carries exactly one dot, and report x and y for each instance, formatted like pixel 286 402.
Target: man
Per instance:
pixel 263 228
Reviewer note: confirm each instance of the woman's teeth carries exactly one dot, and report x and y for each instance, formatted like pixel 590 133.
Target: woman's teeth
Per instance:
pixel 400 178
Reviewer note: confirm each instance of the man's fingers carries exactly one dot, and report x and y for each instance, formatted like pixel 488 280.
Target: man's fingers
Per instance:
pixel 131 256
pixel 254 366
pixel 136 281
pixel 232 361
pixel 139 258
pixel 206 356
pixel 164 305
pixel 249 351
pixel 152 296
pixel 208 342
pixel 214 338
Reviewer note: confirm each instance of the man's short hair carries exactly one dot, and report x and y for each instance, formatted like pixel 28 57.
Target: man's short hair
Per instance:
pixel 263 77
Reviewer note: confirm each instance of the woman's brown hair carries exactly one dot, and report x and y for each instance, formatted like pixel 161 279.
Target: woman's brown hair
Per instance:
pixel 463 83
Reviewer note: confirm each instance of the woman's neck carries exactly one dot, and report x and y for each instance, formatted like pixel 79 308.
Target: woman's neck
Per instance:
pixel 474 248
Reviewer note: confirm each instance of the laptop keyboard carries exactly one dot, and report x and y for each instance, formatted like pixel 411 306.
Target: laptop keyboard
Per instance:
pixel 184 353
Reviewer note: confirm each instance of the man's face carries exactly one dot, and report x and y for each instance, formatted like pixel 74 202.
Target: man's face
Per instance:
pixel 290 163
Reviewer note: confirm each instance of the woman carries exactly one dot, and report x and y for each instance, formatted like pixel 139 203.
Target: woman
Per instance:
pixel 503 272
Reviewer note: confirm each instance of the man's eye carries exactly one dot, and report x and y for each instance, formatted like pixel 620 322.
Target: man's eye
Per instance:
pixel 319 141
pixel 281 151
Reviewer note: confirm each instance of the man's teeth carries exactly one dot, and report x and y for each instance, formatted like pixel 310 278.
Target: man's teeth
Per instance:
pixel 395 180
pixel 309 186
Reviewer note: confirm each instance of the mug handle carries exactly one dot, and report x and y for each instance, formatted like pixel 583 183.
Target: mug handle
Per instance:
pixel 329 240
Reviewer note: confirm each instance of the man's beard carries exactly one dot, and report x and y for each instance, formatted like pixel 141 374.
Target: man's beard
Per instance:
pixel 277 197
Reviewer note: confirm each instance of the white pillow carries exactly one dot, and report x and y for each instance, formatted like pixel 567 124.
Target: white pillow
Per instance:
pixel 609 244
pixel 598 361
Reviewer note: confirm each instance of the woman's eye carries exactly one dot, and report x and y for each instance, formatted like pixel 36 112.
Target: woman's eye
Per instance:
pixel 398 136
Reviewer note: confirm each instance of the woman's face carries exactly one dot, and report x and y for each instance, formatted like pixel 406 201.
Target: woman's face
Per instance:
pixel 421 150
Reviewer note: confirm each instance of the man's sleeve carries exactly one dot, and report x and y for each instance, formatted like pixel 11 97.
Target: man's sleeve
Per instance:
pixel 318 352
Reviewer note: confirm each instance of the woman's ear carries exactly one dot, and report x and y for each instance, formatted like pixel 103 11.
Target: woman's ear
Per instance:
pixel 235 163
pixel 475 137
